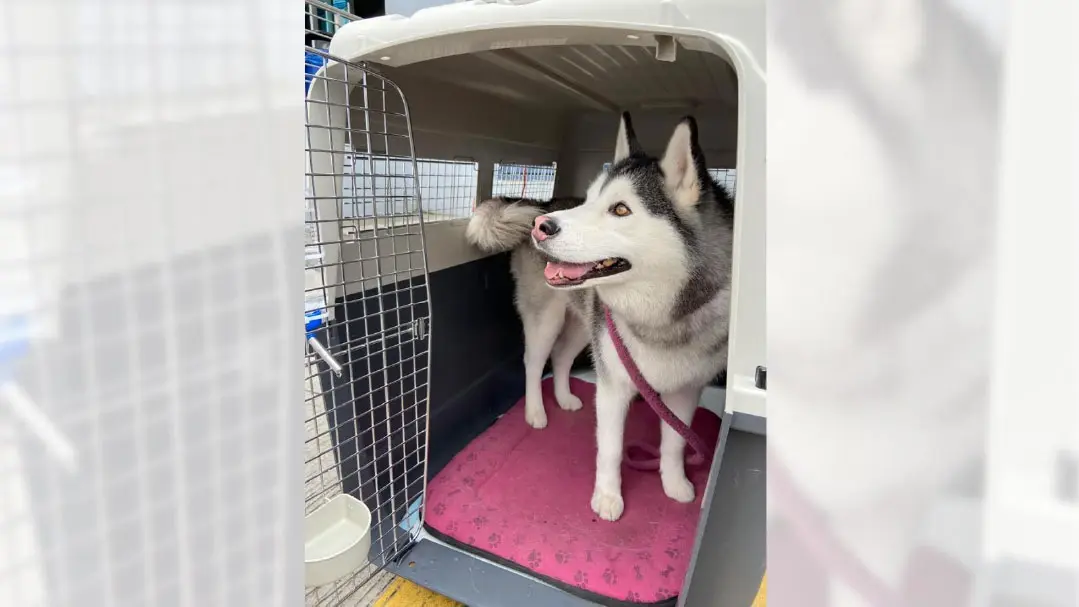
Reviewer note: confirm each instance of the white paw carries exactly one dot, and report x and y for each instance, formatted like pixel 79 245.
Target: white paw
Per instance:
pixel 607 505
pixel 679 489
pixel 536 417
pixel 569 402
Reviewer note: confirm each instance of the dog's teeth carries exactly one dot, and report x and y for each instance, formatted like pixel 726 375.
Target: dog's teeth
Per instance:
pixel 608 262
pixel 599 266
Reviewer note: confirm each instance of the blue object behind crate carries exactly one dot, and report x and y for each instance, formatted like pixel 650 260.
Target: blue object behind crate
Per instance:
pixel 312 321
pixel 312 63
pixel 14 342
pixel 412 519
pixel 341 5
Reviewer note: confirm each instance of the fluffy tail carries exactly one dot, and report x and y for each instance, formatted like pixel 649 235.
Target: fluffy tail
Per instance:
pixel 501 224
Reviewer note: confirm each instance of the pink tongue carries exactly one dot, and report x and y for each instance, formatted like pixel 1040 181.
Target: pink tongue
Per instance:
pixel 569 271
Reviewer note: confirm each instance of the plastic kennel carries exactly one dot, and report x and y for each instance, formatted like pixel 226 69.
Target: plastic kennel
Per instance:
pixel 415 347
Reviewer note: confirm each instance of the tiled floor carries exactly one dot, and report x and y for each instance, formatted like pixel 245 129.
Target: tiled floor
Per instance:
pixel 350 593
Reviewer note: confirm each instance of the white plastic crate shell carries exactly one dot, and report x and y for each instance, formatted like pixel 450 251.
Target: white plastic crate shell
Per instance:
pixel 732 29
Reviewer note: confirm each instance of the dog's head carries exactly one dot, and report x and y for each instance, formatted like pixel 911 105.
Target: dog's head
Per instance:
pixel 636 218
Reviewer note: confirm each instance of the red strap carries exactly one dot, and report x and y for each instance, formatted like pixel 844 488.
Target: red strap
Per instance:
pixel 701 453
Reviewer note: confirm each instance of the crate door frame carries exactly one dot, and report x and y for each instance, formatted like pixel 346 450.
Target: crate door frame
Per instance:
pixel 375 330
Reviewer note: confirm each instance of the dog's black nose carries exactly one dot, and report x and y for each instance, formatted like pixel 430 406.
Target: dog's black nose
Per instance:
pixel 549 227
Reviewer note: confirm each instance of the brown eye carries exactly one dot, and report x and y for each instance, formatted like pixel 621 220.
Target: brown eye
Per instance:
pixel 621 209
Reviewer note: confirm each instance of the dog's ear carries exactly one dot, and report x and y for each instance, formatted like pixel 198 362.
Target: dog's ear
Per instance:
pixel 683 163
pixel 627 139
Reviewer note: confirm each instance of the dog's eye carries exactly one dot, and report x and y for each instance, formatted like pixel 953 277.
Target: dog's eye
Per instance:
pixel 621 209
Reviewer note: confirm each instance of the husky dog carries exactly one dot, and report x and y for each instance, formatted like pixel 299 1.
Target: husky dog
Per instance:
pixel 551 329
pixel 651 243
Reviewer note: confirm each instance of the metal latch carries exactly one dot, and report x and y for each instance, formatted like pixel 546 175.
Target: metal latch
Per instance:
pixel 419 328
pixel 760 378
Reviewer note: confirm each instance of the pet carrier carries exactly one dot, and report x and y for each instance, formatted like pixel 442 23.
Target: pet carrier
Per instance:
pixel 418 354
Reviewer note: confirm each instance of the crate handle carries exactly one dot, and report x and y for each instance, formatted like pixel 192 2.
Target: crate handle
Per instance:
pixel 325 355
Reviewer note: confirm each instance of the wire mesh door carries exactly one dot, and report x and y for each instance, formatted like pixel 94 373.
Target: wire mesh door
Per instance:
pixel 367 312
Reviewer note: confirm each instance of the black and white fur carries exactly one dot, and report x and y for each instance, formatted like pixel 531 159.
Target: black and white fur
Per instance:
pixel 670 298
pixel 551 329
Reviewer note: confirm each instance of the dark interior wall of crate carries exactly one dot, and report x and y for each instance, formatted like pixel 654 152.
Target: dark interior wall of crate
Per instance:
pixel 375 408
pixel 474 369
pixel 476 353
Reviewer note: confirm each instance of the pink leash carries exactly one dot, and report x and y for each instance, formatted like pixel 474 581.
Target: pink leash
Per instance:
pixel 701 453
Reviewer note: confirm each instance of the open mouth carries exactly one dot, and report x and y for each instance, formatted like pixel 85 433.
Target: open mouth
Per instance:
pixel 567 274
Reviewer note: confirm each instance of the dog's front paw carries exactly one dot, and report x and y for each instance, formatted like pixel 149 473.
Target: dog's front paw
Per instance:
pixel 536 417
pixel 569 402
pixel 607 505
pixel 679 489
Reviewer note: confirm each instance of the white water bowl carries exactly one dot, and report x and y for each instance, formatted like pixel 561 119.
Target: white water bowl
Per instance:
pixel 337 538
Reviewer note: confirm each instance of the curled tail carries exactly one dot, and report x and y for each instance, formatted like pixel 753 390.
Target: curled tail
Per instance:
pixel 500 224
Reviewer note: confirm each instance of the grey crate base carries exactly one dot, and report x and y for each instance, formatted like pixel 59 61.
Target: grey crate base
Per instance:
pixel 721 576
pixel 475 582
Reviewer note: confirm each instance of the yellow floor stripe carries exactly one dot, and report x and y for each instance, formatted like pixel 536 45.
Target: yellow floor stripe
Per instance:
pixel 403 593
pixel 762 593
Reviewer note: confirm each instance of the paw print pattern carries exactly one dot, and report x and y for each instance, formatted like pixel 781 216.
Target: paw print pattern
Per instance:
pixel 440 509
pixel 494 539
pixel 580 578
pixel 672 552
pixel 637 572
pixel 479 521
pixel 667 571
pixel 663 594
pixel 534 559
pixel 633 596
pixel 561 557
pixel 645 556
pixel 451 527
pixel 610 577
pixel 467 481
